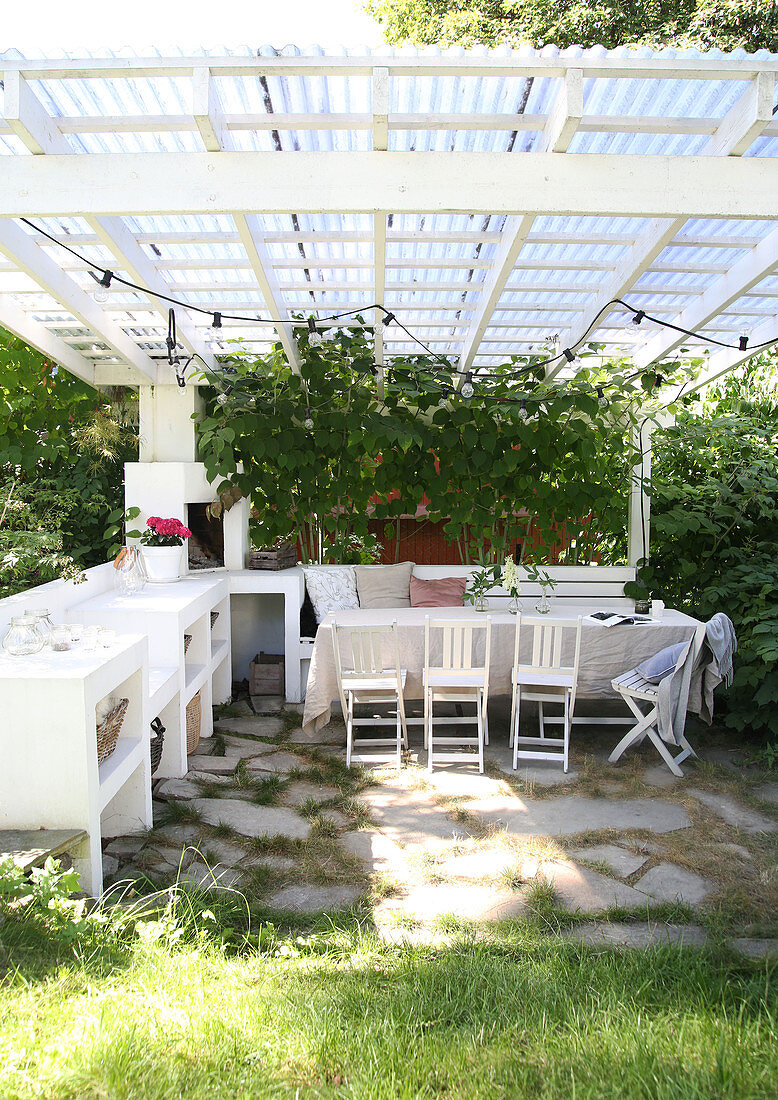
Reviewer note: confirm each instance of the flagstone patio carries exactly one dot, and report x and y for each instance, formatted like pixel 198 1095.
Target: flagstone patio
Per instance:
pixel 276 815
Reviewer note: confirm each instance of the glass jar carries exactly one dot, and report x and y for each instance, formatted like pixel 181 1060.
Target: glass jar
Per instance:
pixel 130 574
pixel 42 617
pixel 23 637
pixel 481 604
pixel 514 605
pixel 60 638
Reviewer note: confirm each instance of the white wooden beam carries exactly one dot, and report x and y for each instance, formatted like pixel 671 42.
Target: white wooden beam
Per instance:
pixel 380 108
pixel 744 275
pixel 23 251
pixel 38 336
pixel 726 359
pixel 745 122
pixel 208 115
pixel 379 290
pixel 565 115
pixel 515 232
pixel 404 182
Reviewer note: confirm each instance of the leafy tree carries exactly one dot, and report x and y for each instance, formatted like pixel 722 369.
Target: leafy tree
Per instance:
pixel 714 519
pixel 62 445
pixel 727 24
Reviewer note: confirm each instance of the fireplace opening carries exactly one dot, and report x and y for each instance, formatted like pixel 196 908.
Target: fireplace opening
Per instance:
pixel 206 544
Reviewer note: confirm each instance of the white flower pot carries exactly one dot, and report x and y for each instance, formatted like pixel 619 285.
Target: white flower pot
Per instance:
pixel 163 563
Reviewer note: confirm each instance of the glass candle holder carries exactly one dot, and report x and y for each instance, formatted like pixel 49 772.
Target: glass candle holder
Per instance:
pixel 23 637
pixel 60 638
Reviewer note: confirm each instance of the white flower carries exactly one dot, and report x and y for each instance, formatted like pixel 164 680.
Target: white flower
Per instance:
pixel 510 577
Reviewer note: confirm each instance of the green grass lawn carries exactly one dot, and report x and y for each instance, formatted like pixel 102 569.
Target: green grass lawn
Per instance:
pixel 172 1010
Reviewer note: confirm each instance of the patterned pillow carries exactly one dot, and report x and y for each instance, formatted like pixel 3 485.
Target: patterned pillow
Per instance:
pixel 333 588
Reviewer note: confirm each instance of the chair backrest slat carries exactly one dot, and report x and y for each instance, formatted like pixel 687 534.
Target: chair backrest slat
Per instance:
pixel 460 640
pixel 546 647
pixel 369 657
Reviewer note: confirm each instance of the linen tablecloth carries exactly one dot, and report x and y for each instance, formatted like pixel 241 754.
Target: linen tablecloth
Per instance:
pixel 606 652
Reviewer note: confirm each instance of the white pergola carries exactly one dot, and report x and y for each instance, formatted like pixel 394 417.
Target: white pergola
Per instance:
pixel 490 199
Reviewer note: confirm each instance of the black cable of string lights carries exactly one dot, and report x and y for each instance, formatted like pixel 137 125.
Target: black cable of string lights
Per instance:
pixel 638 315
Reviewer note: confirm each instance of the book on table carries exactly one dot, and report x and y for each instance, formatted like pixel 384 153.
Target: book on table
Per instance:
pixel 613 618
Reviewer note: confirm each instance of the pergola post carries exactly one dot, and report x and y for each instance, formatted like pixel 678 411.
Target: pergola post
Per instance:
pixel 639 519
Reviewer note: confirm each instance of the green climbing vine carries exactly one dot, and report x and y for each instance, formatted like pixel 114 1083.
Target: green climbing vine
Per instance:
pixel 321 453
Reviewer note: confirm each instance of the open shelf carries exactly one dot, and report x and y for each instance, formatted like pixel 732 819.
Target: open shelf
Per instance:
pixel 119 766
pixel 163 684
pixel 196 675
pixel 219 650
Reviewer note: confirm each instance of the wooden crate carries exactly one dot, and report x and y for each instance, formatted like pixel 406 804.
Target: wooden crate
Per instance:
pixel 266 674
pixel 282 556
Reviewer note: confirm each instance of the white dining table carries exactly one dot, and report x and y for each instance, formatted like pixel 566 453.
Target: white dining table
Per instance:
pixel 606 652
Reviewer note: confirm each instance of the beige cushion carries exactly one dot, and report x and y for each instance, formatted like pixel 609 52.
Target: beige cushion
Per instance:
pixel 384 585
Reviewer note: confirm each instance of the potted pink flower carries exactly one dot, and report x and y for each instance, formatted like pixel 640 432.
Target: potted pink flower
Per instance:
pixel 161 544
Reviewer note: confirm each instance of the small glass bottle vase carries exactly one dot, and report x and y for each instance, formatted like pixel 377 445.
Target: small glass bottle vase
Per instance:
pixel 23 637
pixel 481 604
pixel 514 605
pixel 543 606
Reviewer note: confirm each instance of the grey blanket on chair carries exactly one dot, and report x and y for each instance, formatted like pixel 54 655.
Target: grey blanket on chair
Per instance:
pixel 672 699
pixel 713 665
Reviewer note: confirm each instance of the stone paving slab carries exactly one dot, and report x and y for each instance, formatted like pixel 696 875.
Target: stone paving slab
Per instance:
pixel 125 846
pixel 460 783
pixel 620 861
pixel 768 792
pixel 568 815
pixel 410 816
pixel 325 736
pixel 298 793
pixel 378 852
pixel 756 949
pixel 177 789
pixel 257 726
pixel 277 763
pixel 224 851
pixel 214 765
pixel 666 882
pixel 466 902
pixel 252 820
pixel 244 748
pixel 301 897
pixel 660 775
pixel 641 934
pixel 483 863
pixel 267 704
pixel 209 878
pixel 544 773
pixel 209 777
pixel 733 813
pixel 582 890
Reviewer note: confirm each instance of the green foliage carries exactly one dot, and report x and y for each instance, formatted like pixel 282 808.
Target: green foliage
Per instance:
pixel 476 465
pixel 727 24
pixel 714 518
pixel 62 445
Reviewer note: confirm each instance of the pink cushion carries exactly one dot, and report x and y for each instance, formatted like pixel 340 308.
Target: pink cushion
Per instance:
pixel 440 592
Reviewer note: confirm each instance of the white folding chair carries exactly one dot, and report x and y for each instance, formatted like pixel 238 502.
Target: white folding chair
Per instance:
pixel 371 678
pixel 459 677
pixel 638 692
pixel 546 678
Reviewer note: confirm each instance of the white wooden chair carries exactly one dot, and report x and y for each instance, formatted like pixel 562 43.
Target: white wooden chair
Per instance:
pixel 545 679
pixel 460 677
pixel 638 692
pixel 371 679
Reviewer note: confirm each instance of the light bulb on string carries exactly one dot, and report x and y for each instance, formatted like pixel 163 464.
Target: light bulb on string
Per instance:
pixel 468 389
pixel 743 339
pixel 602 400
pixel 308 422
pixel 314 336
pixel 101 293
pixel 443 401
pixel 523 414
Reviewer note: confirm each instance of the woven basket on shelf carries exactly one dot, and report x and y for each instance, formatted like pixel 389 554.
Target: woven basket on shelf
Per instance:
pixel 156 744
pixel 193 723
pixel 214 617
pixel 187 642
pixel 109 729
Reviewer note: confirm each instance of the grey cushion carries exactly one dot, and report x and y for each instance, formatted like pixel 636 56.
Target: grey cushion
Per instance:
pixel 384 585
pixel 661 664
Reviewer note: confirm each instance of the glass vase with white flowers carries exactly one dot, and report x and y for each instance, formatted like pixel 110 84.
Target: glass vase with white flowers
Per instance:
pixel 510 582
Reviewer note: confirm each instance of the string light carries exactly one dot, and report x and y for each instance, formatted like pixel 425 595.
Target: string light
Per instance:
pixel 308 422
pixel 638 316
pixel 101 293
pixel 314 336
pixel 602 400
pixel 468 389
pixel 523 414
pixel 743 340
pixel 217 320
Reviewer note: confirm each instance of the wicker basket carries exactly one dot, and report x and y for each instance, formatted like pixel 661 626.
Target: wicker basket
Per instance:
pixel 156 744
pixel 109 729
pixel 214 617
pixel 187 642
pixel 193 723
